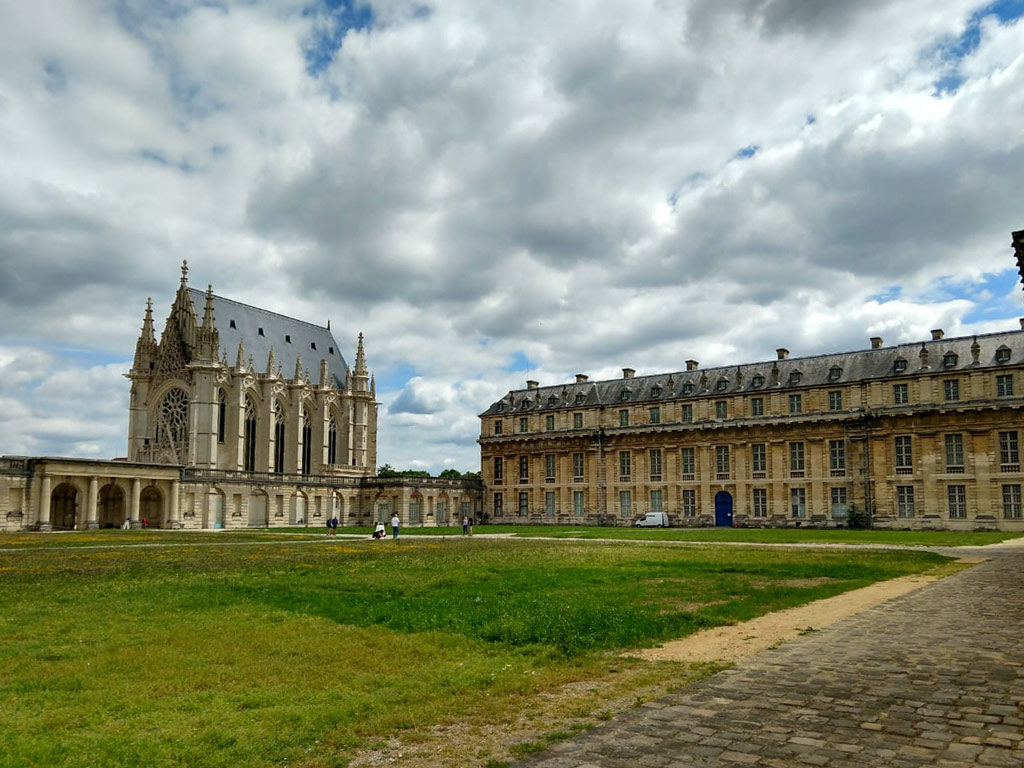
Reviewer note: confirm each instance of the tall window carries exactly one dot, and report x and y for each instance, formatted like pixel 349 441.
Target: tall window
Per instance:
pixel 838 498
pixel 498 506
pixel 414 510
pixel 1004 385
pixel 654 458
pixel 654 415
pixel 498 427
pixel 549 423
pixel 721 409
pixel 904 455
pixel 688 464
pixel 524 424
pixel 687 413
pixel 760 498
pixel 625 470
pixel 278 438
pixel 689 502
pixel 798 502
pixel 722 468
pixel 332 441
pixel 905 500
pixel 524 469
pixel 577 467
pixel 577 421
pixel 837 458
pixel 796 459
pixel 499 469
pixel 951 389
pixel 222 414
pixel 954 453
pixel 524 504
pixel 577 503
pixel 956 496
pixel 624 417
pixel 549 467
pixel 757 406
pixel 656 503
pixel 549 503
pixel 796 403
pixel 249 438
pixel 172 425
pixel 758 460
pixel 835 400
pixel 625 504
pixel 900 394
pixel 1011 502
pixel 1009 455
pixel 307 443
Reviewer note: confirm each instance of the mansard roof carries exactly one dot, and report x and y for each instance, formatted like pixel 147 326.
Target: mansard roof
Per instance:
pixel 936 356
pixel 259 330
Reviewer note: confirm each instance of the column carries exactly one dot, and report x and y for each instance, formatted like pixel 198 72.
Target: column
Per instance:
pixel 44 505
pixel 173 517
pixel 90 504
pixel 133 509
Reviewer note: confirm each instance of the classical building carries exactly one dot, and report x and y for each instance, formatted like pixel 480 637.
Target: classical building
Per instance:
pixel 917 435
pixel 219 444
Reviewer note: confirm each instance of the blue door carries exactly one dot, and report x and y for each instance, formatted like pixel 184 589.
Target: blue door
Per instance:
pixel 723 509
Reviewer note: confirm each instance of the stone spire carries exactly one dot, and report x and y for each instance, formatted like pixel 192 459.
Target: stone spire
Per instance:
pixel 207 337
pixel 360 377
pixel 270 362
pixel 323 374
pixel 298 369
pixel 145 347
pixel 240 360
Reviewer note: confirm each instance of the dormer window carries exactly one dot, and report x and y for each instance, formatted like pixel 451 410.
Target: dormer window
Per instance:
pixel 552 401
pixel 580 398
pixel 688 388
pixel 1003 355
pixel 757 381
pixel 721 385
pixel 501 406
pixel 625 395
pixel 330 350
pixel 949 360
pixel 834 373
pixel 794 377
pixel 899 366
pixel 655 391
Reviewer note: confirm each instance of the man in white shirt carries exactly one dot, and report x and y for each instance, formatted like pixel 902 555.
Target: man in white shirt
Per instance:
pixel 394 526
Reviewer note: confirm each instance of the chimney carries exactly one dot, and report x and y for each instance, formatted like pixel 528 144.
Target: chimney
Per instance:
pixel 530 384
pixel 876 342
pixel 782 352
pixel 581 378
pixel 693 365
pixel 627 373
pixel 936 334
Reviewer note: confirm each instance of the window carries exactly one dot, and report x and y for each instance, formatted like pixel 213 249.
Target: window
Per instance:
pixel 332 441
pixel 580 398
pixel 249 438
pixel 835 373
pixel 577 467
pixel 625 468
pixel 900 395
pixel 904 501
pixel 577 421
pixel 899 366
pixel 837 458
pixel 838 499
pixel 624 418
pixel 497 506
pixel 904 455
pixel 1003 355
pixel 222 412
pixel 549 423
pixel 549 503
pixel 524 469
pixel 498 427
pixel 794 377
pixel 798 502
pixel 577 503
pixel 721 409
pixel 951 389
pixel 307 443
pixel 1004 385
pixel 954 453
pixel 656 503
pixel 655 391
pixel 835 400
pixel 1011 502
pixel 687 413
pixel 625 504
pixel 414 510
pixel 499 467
pixel 722 462
pixel 624 395
pixel 721 385
pixel 688 463
pixel 524 503
pixel 796 404
pixel 689 502
pixel 758 461
pixel 524 424
pixel 760 508
pixel 688 388
pixel 757 381
pixel 949 360
pixel 957 499
pixel 655 463
pixel 1009 456
pixel 549 467
pixel 796 459
pixel 654 416
pixel 757 406
pixel 279 435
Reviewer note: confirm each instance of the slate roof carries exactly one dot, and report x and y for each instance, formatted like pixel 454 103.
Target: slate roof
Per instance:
pixel 943 356
pixel 259 330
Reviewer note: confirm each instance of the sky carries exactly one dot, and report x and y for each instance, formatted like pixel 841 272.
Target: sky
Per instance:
pixel 496 192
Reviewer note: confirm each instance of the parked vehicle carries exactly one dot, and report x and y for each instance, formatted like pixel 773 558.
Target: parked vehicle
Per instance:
pixel 652 520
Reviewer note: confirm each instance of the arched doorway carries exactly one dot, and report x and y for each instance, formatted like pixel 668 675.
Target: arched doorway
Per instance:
pixel 64 507
pixel 723 509
pixel 111 507
pixel 151 508
pixel 258 510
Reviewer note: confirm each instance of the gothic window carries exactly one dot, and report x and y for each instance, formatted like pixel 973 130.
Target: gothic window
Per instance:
pixel 332 442
pixel 307 443
pixel 278 438
pixel 249 438
pixel 172 427
pixel 222 411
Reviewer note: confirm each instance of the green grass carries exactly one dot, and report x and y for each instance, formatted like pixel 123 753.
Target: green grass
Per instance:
pixel 249 650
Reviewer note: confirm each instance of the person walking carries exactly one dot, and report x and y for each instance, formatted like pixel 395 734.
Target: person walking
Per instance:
pixel 465 525
pixel 394 526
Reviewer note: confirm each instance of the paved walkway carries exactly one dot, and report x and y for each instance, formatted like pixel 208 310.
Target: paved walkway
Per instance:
pixel 933 678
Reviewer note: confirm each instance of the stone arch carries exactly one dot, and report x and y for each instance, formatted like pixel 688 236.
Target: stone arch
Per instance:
pixel 217 508
pixel 258 508
pixel 300 509
pixel 416 511
pixel 151 507
pixel 64 503
pixel 443 509
pixel 110 512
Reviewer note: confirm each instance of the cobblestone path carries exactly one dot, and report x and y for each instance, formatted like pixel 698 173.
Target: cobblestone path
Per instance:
pixel 933 678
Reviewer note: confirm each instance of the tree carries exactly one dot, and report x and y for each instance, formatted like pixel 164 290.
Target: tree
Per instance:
pixel 454 474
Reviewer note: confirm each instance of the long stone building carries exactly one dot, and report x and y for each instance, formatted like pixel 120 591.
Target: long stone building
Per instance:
pixel 227 428
pixel 917 435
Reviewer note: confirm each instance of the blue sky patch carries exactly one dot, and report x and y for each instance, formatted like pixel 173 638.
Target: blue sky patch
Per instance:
pixel 748 151
pixel 340 16
pixel 993 297
pixel 520 362
pixel 952 51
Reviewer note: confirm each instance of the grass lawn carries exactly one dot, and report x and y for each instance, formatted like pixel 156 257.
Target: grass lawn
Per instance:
pixel 161 648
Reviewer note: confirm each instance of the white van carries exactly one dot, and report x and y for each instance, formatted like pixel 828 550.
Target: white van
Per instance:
pixel 652 520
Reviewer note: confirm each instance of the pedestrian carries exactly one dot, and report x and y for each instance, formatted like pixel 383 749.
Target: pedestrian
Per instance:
pixel 379 533
pixel 471 526
pixel 329 527
pixel 394 526
pixel 334 526
pixel 465 525
pixel 127 524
